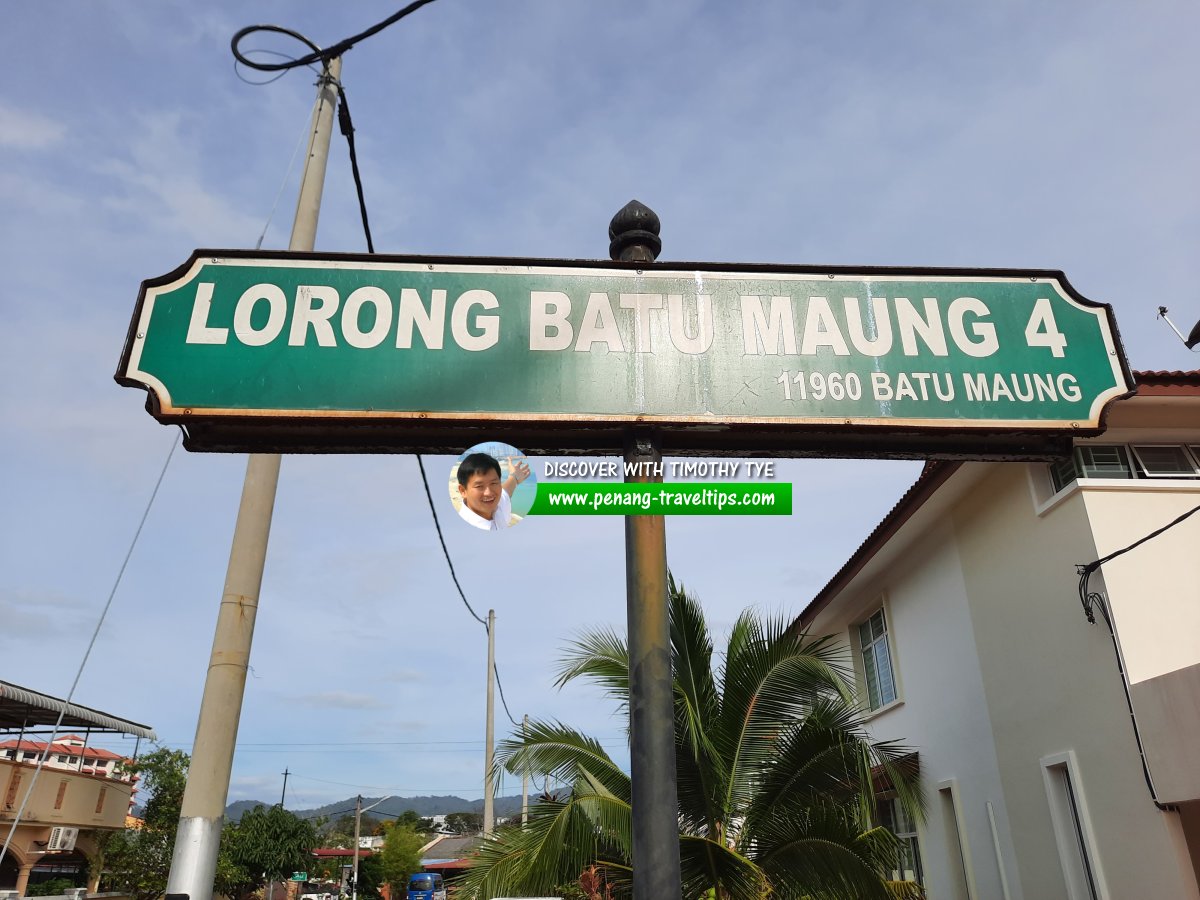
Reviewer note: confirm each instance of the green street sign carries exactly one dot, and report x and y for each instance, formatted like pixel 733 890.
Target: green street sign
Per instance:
pixel 289 351
pixel 299 876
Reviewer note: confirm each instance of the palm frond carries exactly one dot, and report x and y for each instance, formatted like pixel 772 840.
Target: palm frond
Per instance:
pixel 560 841
pixel 551 748
pixel 776 773
pixel 826 855
pixel 601 656
pixel 771 681
pixel 701 774
pixel 705 865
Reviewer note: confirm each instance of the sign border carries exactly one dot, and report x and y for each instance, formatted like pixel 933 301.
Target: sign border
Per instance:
pixel 251 430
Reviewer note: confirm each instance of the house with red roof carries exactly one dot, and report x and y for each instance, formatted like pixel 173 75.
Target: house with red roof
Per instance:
pixel 59 792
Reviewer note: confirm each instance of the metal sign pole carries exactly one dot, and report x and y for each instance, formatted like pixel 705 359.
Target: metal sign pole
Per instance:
pixel 198 838
pixel 655 803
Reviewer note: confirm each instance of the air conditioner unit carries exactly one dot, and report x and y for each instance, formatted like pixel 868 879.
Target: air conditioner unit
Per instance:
pixel 62 838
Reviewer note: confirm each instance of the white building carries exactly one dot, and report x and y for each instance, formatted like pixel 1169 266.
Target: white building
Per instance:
pixel 963 615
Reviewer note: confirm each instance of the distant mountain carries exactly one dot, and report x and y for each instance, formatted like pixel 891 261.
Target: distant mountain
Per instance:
pixel 393 806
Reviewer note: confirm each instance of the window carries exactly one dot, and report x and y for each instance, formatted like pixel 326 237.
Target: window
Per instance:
pixel 893 817
pixel 1072 831
pixel 876 661
pixel 14 782
pixel 1062 472
pixel 1103 461
pixel 1126 462
pixel 1165 461
pixel 100 800
pixel 958 880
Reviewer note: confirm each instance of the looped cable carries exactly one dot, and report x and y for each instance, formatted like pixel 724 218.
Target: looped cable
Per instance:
pixel 316 54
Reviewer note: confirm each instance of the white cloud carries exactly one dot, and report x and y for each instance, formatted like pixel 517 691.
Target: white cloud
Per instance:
pixel 25 130
pixel 340 700
pixel 159 182
pixel 27 613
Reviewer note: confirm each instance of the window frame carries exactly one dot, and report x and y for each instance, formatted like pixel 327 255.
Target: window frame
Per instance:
pixel 1049 483
pixel 860 663
pixel 910 837
pixel 1188 457
pixel 1073 834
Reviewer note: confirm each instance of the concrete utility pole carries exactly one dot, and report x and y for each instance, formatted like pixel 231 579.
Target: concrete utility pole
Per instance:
pixel 358 811
pixel 633 235
pixel 194 863
pixel 489 815
pixel 357 830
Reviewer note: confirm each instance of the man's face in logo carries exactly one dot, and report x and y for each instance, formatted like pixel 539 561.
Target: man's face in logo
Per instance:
pixel 481 493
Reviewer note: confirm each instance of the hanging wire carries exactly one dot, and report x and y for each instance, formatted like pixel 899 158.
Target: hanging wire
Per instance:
pixel 454 577
pixel 346 125
pixel 347 128
pixel 1093 600
pixel 316 54
pixel 1085 570
pixel 88 652
pixel 283 184
pixel 238 71
pixel 442 540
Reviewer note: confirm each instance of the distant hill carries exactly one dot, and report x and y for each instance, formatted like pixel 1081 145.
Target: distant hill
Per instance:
pixel 393 806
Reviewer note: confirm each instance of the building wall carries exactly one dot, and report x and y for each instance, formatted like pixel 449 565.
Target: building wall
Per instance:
pixel 1154 592
pixel 940 712
pixel 1052 688
pixel 53 804
pixel 1161 636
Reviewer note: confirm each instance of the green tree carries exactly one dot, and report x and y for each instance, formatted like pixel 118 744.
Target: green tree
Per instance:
pixel 775 776
pixel 370 876
pixel 138 860
pixel 401 856
pixel 414 821
pixel 340 833
pixel 268 843
pixel 464 822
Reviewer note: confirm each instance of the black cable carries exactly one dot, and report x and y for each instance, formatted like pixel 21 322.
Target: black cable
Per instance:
pixel 1091 600
pixel 238 72
pixel 1137 733
pixel 345 123
pixel 347 128
pixel 454 576
pixel 441 538
pixel 317 54
pixel 1092 566
pixel 503 702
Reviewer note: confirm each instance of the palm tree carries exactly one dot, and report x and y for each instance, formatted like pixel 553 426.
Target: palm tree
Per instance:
pixel 776 775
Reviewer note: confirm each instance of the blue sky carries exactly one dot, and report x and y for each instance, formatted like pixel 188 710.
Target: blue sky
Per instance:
pixel 1010 134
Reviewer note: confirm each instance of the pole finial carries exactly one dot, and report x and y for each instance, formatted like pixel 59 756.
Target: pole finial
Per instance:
pixel 633 234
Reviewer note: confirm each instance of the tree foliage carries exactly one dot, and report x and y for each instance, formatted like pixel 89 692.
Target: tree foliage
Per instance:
pixel 138 860
pixel 268 843
pixel 401 856
pixel 775 776
pixel 464 822
pixel 414 821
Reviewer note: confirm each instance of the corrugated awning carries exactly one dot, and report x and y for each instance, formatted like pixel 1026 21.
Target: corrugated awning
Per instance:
pixel 23 710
